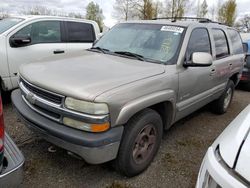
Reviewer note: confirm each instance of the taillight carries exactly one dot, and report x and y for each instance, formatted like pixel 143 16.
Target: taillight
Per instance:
pixel 1 125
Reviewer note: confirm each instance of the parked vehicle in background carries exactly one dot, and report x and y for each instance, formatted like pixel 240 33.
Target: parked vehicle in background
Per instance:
pixel 11 159
pixel 245 78
pixel 113 101
pixel 226 163
pixel 26 39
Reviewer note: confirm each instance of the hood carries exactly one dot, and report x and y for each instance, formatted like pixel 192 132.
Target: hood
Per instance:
pixel 236 139
pixel 87 74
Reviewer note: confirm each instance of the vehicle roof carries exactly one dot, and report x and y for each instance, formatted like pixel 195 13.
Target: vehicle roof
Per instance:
pixel 31 17
pixel 178 23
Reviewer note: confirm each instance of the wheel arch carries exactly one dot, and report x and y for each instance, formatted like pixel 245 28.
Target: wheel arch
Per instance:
pixel 235 78
pixel 162 102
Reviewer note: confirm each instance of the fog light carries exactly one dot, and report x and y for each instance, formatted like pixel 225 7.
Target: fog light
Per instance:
pixel 86 126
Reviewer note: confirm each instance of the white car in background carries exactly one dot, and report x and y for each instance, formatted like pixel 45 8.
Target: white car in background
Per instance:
pixel 227 161
pixel 26 39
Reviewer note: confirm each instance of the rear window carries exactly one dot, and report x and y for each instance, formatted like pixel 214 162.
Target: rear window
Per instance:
pixel 236 41
pixel 80 32
pixel 221 44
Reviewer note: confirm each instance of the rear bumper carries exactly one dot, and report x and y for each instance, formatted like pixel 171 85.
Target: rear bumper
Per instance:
pixel 94 148
pixel 245 78
pixel 12 174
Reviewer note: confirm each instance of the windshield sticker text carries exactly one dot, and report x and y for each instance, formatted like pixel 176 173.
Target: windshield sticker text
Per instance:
pixel 172 29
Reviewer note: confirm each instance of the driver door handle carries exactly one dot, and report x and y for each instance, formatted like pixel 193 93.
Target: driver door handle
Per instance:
pixel 212 72
pixel 58 51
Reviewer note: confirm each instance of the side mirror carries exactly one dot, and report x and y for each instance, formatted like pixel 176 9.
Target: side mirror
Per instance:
pixel 245 47
pixel 20 41
pixel 200 59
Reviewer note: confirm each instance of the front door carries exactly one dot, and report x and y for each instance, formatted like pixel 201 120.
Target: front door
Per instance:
pixel 195 83
pixel 46 41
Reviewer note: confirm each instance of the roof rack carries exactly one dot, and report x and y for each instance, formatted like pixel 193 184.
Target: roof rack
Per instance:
pixel 174 19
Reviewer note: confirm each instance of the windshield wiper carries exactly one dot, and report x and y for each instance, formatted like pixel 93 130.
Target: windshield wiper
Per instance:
pixel 103 50
pixel 131 54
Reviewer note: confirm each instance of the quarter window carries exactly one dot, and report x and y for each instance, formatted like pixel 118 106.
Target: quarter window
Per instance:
pixel 221 44
pixel 80 32
pixel 236 41
pixel 199 42
pixel 42 32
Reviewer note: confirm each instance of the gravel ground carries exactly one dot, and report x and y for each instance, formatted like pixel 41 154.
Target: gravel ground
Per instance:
pixel 176 165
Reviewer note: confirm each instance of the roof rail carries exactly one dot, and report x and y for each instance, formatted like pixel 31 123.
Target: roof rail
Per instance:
pixel 174 19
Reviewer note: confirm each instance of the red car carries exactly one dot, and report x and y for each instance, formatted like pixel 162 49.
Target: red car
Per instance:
pixel 11 158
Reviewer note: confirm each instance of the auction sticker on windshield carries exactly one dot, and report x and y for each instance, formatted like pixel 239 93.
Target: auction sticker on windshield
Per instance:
pixel 172 29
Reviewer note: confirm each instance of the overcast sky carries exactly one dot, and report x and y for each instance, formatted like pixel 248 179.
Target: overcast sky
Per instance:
pixel 78 6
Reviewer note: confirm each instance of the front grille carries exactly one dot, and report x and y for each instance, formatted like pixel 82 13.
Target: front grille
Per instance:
pixel 42 93
pixel 49 113
pixel 44 104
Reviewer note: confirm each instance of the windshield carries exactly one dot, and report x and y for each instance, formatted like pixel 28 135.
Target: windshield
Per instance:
pixel 151 41
pixel 7 23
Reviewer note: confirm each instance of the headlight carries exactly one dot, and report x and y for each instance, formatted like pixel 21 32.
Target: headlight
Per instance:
pixel 86 107
pixel 90 127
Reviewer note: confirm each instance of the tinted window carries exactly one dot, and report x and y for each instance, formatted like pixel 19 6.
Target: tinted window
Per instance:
pixel 221 45
pixel 42 32
pixel 236 41
pixel 80 32
pixel 199 42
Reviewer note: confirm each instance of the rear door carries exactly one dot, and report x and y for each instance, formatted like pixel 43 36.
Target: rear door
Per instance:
pixel 223 63
pixel 79 35
pixel 46 41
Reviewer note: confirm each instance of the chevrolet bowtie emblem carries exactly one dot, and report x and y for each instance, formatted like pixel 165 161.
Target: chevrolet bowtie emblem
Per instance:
pixel 31 98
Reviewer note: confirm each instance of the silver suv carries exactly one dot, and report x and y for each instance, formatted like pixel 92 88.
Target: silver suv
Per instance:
pixel 114 101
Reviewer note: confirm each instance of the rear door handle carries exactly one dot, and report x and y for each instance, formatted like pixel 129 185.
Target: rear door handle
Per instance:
pixel 230 65
pixel 58 51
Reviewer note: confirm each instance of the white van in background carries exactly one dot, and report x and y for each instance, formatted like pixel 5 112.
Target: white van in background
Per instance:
pixel 25 39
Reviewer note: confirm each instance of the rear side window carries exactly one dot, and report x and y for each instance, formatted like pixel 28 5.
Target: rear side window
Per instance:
pixel 221 44
pixel 199 42
pixel 236 41
pixel 80 32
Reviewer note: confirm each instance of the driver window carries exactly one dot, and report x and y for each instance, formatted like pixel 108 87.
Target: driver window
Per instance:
pixel 42 32
pixel 199 42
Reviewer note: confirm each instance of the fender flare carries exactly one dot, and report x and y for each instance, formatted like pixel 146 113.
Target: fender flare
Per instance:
pixel 135 106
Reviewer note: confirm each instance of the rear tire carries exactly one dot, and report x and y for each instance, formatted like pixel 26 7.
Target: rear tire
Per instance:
pixel 221 105
pixel 141 140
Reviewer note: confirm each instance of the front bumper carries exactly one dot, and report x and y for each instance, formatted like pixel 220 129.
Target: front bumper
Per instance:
pixel 12 173
pixel 220 175
pixel 94 148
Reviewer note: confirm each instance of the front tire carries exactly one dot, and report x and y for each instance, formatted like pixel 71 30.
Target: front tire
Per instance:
pixel 141 140
pixel 221 105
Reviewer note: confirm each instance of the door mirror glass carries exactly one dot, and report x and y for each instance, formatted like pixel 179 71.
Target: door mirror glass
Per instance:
pixel 20 41
pixel 200 59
